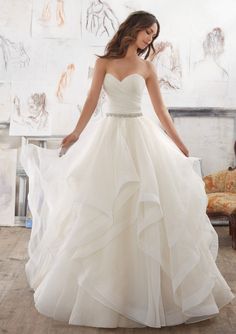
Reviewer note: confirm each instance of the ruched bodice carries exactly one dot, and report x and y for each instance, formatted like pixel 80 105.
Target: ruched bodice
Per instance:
pixel 124 95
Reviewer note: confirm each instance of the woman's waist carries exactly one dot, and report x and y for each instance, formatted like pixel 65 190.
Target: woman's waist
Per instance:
pixel 124 114
pixel 130 111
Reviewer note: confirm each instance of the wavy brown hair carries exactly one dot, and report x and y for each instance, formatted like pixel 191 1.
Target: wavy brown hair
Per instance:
pixel 127 33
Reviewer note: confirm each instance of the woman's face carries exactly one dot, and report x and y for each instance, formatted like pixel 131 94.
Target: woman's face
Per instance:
pixel 33 108
pixel 146 36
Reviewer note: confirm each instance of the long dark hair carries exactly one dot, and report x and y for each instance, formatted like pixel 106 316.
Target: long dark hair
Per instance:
pixel 127 33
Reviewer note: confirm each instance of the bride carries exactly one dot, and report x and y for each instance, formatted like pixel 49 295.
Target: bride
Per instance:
pixel 120 235
pixel 123 52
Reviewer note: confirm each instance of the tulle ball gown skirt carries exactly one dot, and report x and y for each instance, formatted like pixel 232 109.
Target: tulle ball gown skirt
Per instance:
pixel 120 235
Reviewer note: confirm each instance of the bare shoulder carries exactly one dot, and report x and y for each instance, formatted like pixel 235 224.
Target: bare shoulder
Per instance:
pixel 150 69
pixel 99 71
pixel 101 63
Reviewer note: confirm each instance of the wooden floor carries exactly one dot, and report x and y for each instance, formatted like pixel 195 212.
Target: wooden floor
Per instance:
pixel 18 315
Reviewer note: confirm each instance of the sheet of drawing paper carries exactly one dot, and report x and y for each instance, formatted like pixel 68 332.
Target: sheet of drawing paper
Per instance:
pixel 14 56
pixel 100 19
pixel 211 53
pixel 56 18
pixel 31 108
pixel 194 55
pixel 8 160
pixel 65 70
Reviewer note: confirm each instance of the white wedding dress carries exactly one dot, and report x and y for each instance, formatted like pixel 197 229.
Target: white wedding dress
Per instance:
pixel 120 235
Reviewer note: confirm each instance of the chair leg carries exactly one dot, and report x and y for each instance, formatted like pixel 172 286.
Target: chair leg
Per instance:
pixel 232 222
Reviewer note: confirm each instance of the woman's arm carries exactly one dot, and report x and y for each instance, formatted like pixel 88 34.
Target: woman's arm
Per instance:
pixel 89 105
pixel 160 109
pixel 93 95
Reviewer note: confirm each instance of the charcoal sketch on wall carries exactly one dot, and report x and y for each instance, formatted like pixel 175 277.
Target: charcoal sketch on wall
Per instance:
pixel 7 186
pixel 56 18
pixel 12 56
pixel 56 8
pixel 167 61
pixel 213 47
pixel 30 115
pixel 68 84
pixel 64 82
pixel 209 73
pixel 101 19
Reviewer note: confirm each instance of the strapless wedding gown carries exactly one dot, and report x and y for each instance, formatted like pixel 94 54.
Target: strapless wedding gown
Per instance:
pixel 120 235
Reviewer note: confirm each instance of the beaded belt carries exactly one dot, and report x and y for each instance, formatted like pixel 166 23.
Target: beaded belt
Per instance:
pixel 124 115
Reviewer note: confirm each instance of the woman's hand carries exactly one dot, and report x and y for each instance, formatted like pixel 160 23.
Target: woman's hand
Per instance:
pixel 68 141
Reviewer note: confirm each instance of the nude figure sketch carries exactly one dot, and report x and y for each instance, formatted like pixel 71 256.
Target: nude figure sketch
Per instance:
pixel 213 49
pixel 13 53
pixel 36 116
pixel 166 59
pixel 64 82
pixel 53 11
pixel 101 19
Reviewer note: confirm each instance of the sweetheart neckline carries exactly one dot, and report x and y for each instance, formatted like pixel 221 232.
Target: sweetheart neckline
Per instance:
pixel 127 76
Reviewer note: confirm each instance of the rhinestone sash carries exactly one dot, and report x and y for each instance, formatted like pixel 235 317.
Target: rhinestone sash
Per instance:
pixel 124 114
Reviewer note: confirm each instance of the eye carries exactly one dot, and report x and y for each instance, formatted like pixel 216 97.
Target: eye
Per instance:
pixel 149 33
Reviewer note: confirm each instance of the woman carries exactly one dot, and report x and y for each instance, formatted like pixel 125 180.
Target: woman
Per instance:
pixel 125 53
pixel 120 234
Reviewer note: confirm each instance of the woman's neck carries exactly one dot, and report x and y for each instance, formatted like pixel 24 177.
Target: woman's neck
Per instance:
pixel 132 52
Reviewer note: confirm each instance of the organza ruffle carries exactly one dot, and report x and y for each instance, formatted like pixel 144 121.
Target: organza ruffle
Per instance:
pixel 120 235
